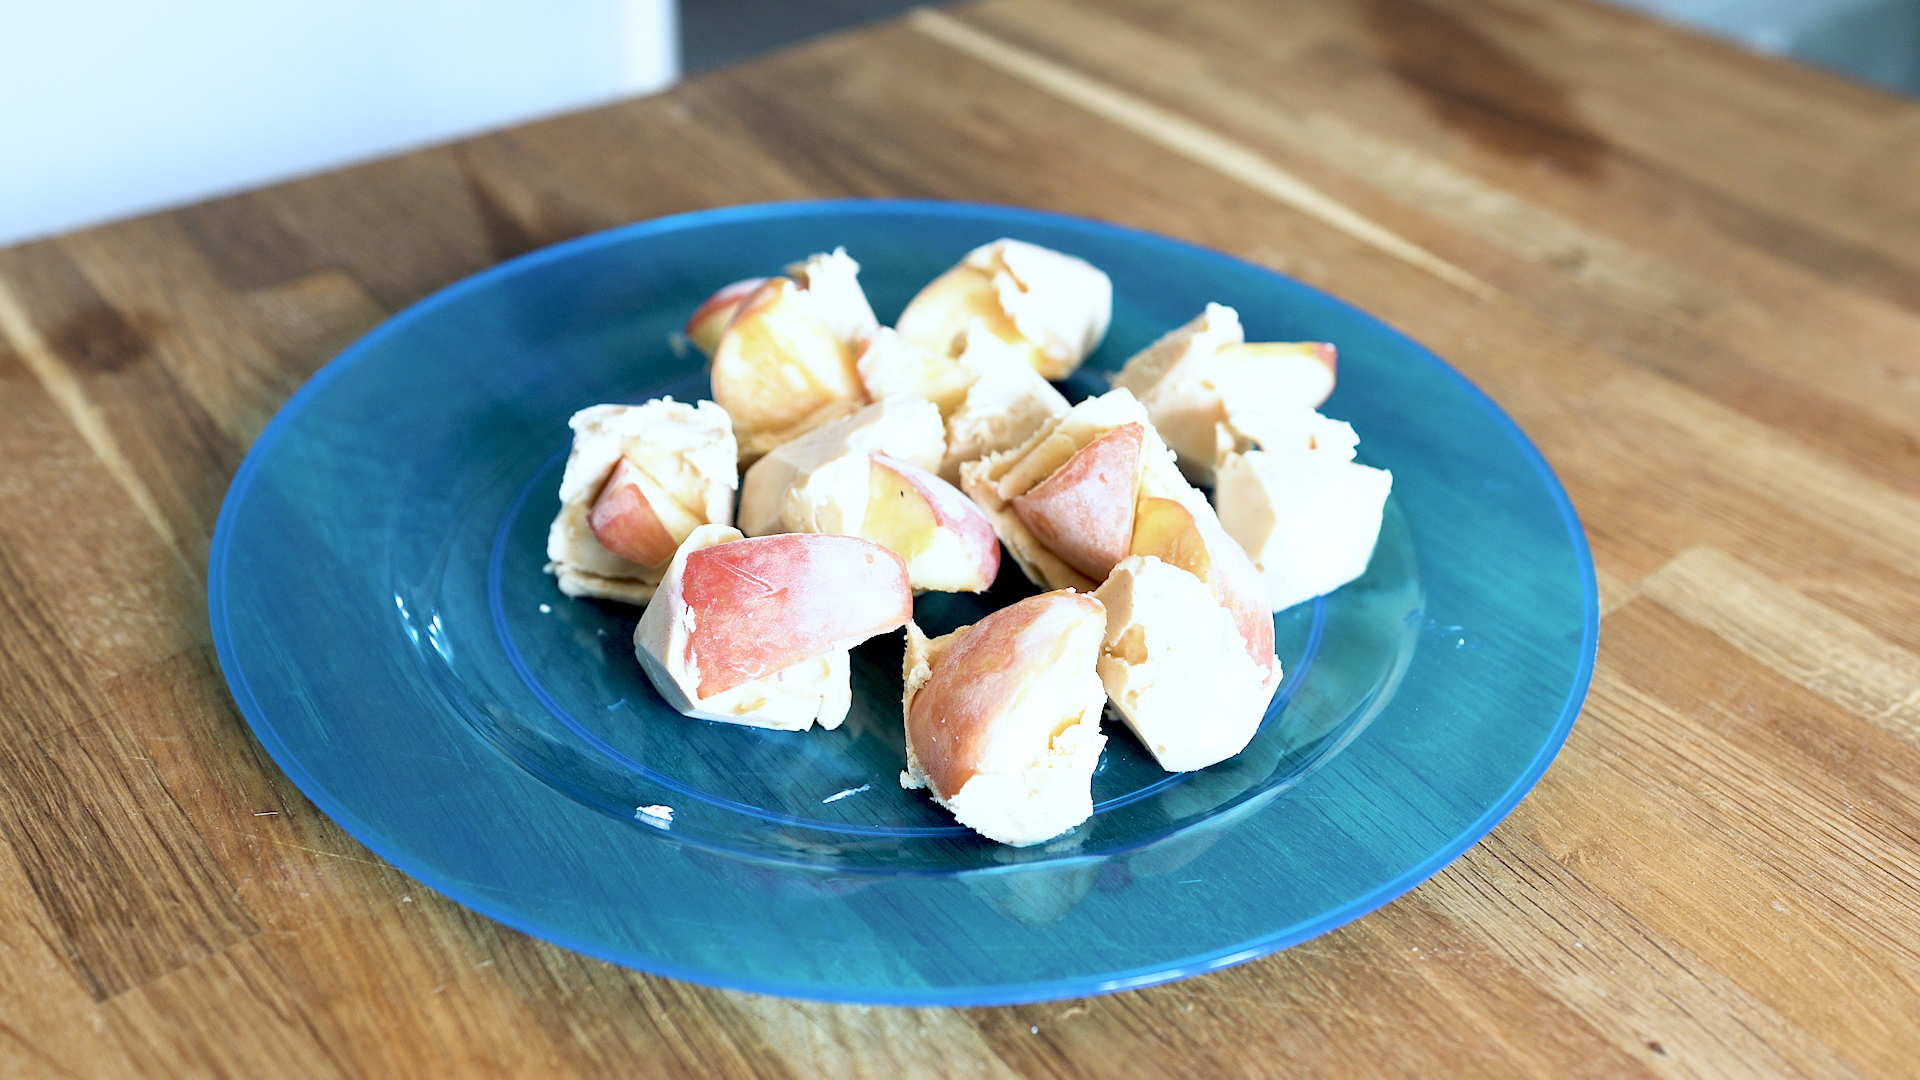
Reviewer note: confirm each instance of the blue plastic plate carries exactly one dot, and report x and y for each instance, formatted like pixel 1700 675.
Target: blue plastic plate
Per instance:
pixel 381 615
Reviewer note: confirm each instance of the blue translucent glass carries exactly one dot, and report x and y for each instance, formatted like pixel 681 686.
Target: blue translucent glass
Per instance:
pixel 381 615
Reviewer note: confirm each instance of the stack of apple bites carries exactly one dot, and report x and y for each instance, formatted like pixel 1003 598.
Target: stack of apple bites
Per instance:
pixel 881 462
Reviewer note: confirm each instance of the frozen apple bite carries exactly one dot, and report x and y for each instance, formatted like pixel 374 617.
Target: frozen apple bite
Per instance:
pixel 783 353
pixel 1290 492
pixel 640 479
pixel 1063 502
pixel 805 485
pixel 1006 403
pixel 892 366
pixel 1050 307
pixel 989 397
pixel 1095 498
pixel 708 320
pixel 757 631
pixel 1195 376
pixel 1003 717
pixel 832 282
pixel 868 475
pixel 1188 655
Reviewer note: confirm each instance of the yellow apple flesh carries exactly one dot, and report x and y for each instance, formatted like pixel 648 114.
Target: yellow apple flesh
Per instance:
pixel 948 544
pixel 890 365
pixel 778 363
pixel 937 317
pixel 1165 529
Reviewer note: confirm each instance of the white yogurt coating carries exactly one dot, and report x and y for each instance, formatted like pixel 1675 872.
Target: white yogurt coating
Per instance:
pixel 1058 302
pixel 1005 404
pixel 832 282
pixel 890 366
pixel 1165 377
pixel 818 482
pixel 1286 431
pixel 1308 518
pixel 1053 307
pixel 1176 668
pixel 1203 373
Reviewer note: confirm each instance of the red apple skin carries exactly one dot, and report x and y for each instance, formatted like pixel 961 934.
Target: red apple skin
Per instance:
pixel 982 675
pixel 625 523
pixel 1237 585
pixel 1084 511
pixel 1324 352
pixel 766 603
pixel 1329 356
pixel 708 320
pixel 954 511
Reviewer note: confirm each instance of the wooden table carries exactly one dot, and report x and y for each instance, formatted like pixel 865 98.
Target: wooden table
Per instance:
pixel 1692 275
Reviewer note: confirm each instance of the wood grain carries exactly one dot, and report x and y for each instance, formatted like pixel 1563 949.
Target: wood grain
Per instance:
pixel 1691 274
pixel 129 902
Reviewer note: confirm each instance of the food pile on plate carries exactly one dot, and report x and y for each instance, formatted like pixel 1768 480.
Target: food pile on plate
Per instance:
pixel 881 462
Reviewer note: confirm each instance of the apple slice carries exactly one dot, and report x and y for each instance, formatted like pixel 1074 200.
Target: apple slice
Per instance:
pixel 1204 373
pixel 1174 663
pixel 1003 717
pixel 757 631
pixel 635 469
pixel 1308 521
pixel 1083 512
pixel 1166 530
pixel 868 475
pixel 818 482
pixel 1098 533
pixel 763 604
pixel 1276 374
pixel 1173 533
pixel 937 317
pixel 1060 303
pixel 831 281
pixel 708 320
pixel 948 544
pixel 626 522
pixel 1050 307
pixel 780 368
pixel 1236 584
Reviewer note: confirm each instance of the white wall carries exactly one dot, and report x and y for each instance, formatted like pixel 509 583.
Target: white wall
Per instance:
pixel 114 107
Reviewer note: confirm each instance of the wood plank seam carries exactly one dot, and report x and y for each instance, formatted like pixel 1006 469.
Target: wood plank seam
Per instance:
pixel 1652 976
pixel 1416 179
pixel 65 388
pixel 1192 141
pixel 1812 644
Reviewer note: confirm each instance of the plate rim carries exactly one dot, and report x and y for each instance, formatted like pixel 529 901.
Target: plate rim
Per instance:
pixel 1009 993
